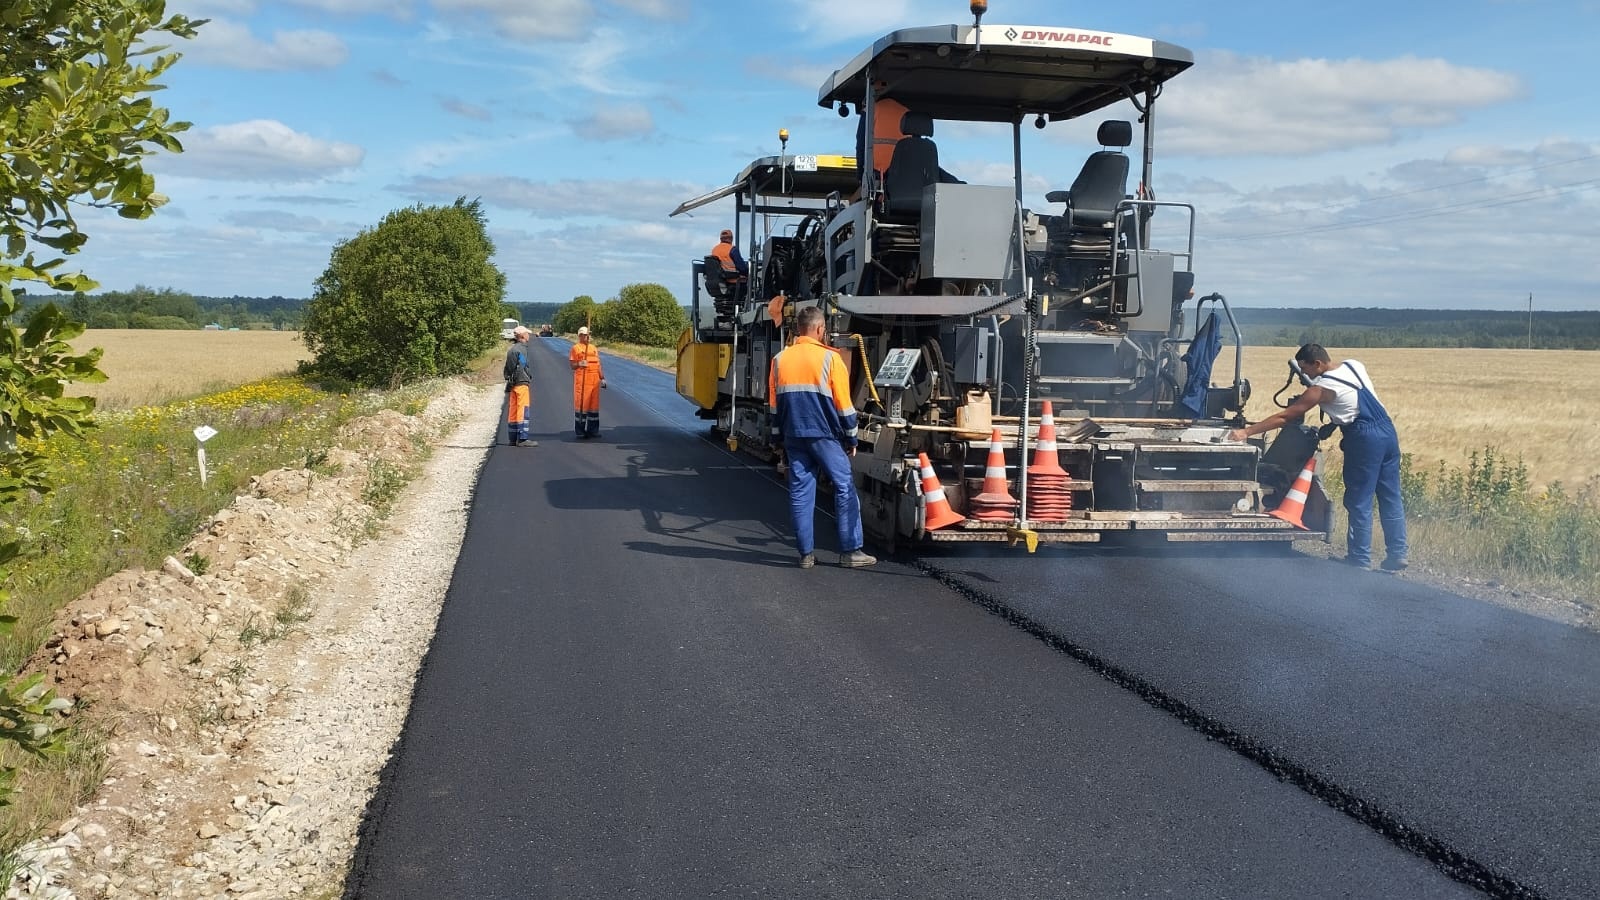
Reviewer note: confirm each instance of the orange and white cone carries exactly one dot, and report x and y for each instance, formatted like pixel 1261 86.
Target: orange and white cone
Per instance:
pixel 995 503
pixel 1294 502
pixel 1049 499
pixel 937 512
pixel 1046 459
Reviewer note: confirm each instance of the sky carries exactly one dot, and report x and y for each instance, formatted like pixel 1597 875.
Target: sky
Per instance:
pixel 1423 154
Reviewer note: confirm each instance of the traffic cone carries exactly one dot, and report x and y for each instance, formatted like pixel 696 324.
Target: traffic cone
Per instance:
pixel 995 503
pixel 937 513
pixel 1049 499
pixel 1294 502
pixel 1046 461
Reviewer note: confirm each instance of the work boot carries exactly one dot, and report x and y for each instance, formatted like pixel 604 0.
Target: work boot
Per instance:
pixel 1390 564
pixel 856 559
pixel 807 561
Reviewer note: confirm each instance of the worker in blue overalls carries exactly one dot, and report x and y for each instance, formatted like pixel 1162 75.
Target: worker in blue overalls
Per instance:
pixel 1371 450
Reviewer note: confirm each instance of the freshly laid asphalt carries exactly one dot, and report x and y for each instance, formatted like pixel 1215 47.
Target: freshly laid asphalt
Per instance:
pixel 634 692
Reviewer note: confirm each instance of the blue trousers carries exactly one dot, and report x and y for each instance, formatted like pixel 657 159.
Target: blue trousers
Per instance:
pixel 807 457
pixel 1372 469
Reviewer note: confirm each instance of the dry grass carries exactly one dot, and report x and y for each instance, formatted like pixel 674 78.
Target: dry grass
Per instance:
pixel 1447 403
pixel 151 367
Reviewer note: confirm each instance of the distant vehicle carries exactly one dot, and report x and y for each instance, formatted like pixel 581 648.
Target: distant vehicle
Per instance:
pixel 507 329
pixel 546 331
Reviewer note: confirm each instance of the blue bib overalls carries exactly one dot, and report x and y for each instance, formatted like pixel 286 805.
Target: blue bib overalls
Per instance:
pixel 1371 468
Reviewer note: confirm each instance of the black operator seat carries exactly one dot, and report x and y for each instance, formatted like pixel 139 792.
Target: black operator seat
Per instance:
pixel 720 284
pixel 914 166
pixel 1103 182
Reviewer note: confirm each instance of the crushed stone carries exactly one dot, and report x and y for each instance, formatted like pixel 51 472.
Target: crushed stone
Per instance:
pixel 252 707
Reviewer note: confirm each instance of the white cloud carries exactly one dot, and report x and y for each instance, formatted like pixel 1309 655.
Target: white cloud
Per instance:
pixel 260 150
pixel 655 9
pixel 615 123
pixel 1441 232
pixel 231 45
pixel 636 199
pixel 199 9
pixel 521 21
pixel 280 221
pixel 789 71
pixel 465 110
pixel 835 20
pixel 399 9
pixel 1239 106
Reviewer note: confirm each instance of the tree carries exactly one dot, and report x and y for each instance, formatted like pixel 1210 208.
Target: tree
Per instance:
pixel 646 314
pixel 573 315
pixel 415 297
pixel 76 122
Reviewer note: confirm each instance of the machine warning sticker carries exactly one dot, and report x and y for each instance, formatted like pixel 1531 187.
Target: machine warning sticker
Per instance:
pixel 805 163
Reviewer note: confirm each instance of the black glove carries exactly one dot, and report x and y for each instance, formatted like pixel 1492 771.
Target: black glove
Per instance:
pixel 1326 431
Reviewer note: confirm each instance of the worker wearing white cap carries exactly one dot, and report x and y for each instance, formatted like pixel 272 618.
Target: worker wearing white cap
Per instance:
pixel 587 380
pixel 519 385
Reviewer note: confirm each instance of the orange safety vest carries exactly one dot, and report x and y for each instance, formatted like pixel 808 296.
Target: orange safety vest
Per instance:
pixel 724 252
pixel 886 116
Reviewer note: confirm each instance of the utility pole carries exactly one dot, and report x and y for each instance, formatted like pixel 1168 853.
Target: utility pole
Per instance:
pixel 1530 320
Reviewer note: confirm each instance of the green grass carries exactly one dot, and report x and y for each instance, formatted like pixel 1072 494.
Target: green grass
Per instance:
pixel 665 358
pixel 130 493
pixel 1485 520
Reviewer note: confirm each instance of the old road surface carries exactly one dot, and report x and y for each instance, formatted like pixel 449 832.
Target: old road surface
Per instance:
pixel 634 692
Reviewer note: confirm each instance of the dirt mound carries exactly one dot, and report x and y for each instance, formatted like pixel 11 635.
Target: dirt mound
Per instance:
pixel 174 660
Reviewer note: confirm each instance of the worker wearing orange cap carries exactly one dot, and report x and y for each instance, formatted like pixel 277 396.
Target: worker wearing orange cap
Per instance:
pixel 587 380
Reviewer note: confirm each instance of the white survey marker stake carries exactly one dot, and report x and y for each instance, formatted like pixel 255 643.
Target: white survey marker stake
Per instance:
pixel 202 434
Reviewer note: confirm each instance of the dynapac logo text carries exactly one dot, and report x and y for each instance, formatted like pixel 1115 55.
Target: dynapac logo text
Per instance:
pixel 1065 37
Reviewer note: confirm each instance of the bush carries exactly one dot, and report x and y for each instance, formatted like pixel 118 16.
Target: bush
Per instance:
pixel 643 314
pixel 413 298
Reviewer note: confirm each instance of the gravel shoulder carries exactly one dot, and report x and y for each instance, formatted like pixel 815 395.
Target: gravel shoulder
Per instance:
pixel 254 706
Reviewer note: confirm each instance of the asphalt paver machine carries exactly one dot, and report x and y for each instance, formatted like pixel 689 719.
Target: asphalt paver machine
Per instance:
pixel 962 312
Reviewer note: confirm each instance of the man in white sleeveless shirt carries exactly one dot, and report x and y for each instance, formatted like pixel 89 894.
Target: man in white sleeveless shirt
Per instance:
pixel 1371 450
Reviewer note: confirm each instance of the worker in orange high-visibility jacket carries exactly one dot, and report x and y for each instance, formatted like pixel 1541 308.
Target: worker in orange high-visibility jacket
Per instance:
pixel 809 389
pixel 728 254
pixel 587 380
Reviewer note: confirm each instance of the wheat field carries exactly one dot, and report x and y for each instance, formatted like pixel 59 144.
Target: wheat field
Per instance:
pixel 146 367
pixel 1447 403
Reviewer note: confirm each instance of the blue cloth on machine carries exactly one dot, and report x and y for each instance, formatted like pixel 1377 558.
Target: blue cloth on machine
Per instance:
pixel 1201 356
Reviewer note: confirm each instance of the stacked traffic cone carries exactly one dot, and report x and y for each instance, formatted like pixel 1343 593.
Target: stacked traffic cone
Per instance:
pixel 1049 499
pixel 995 504
pixel 937 512
pixel 1294 502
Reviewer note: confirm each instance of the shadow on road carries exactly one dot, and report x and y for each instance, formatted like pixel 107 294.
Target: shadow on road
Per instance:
pixel 738 514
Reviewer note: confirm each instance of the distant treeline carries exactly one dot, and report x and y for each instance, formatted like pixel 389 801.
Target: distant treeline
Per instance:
pixel 532 314
pixel 1374 327
pixel 145 307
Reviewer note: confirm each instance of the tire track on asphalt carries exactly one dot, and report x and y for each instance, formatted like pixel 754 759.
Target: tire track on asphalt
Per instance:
pixel 1447 858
